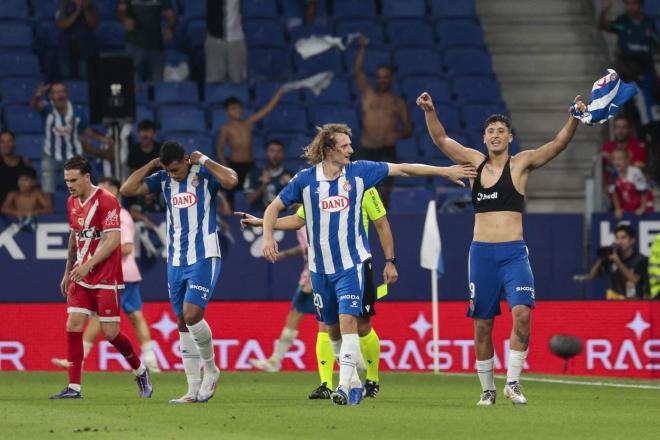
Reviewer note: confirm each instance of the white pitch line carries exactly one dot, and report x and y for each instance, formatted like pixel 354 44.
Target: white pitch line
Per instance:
pixel 573 382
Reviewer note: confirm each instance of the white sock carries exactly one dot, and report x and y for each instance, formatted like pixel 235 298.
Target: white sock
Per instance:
pixel 286 340
pixel 87 347
pixel 141 369
pixel 147 347
pixel 75 386
pixel 350 348
pixel 516 363
pixel 485 373
pixel 190 358
pixel 336 348
pixel 201 334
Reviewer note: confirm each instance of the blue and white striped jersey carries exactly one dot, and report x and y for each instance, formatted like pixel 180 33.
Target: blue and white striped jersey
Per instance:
pixel 333 213
pixel 61 141
pixel 191 227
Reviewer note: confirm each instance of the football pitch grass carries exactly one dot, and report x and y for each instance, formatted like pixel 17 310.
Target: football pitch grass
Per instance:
pixel 273 406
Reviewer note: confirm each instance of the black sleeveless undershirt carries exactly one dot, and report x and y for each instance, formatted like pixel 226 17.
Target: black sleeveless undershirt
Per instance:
pixel 502 196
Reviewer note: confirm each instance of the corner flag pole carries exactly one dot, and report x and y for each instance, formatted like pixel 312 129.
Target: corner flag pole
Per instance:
pixel 436 324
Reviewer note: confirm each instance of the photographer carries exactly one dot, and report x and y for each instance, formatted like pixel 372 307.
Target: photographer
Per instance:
pixel 624 267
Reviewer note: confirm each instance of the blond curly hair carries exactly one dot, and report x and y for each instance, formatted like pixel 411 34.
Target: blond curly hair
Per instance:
pixel 325 140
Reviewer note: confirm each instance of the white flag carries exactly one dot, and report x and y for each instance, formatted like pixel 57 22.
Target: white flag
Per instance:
pixel 431 250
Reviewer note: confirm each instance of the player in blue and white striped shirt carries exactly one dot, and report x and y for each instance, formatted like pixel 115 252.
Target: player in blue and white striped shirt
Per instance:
pixel 331 192
pixel 189 184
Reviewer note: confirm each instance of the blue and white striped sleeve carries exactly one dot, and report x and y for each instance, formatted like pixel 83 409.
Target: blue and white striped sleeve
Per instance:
pixel 371 172
pixel 292 192
pixel 154 181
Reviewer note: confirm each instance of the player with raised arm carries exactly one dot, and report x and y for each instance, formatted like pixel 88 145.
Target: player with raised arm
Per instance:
pixel 189 184
pixel 499 259
pixel 93 274
pixel 331 192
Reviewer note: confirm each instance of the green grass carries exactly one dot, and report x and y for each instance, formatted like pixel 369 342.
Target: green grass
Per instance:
pixel 269 406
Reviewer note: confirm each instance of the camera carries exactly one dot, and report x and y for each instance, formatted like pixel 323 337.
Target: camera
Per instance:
pixel 605 251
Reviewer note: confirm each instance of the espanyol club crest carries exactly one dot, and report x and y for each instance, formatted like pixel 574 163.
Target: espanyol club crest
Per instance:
pixel 347 186
pixel 195 181
pixel 81 221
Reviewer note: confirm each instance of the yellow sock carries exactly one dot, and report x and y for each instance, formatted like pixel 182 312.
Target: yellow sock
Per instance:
pixel 370 347
pixel 324 358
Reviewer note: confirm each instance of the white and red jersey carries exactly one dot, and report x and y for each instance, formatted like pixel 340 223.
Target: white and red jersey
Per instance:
pixel 630 188
pixel 89 220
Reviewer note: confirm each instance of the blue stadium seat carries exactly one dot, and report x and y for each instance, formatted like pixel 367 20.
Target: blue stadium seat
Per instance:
pixel 14 10
pixel 15 36
pixel 331 113
pixel 193 8
pixel 352 8
pixel 47 35
pixel 263 32
pixel 468 61
pixel 19 65
pixel 294 142
pixel 217 118
pixel 459 33
pixel 142 92
pixel 417 181
pixel 371 28
pixel 44 9
pixel 295 165
pixel 60 200
pixel 428 149
pixel 175 57
pixel 192 141
pixel 652 8
pixel 175 92
pixel 305 31
pixel 217 93
pixel 257 9
pixel 406 149
pixel 373 58
pixel 23 119
pixel 410 200
pixel 18 90
pixel 287 117
pixel 264 91
pixel 475 114
pixel 407 8
pixel 268 62
pixel 30 145
pixel 413 86
pixel 409 32
pixel 449 115
pixel 453 8
pixel 78 91
pixel 196 33
pixel 339 91
pixel 144 112
pixel 110 36
pixel 181 118
pixel 328 60
pixel 417 61
pixel 477 89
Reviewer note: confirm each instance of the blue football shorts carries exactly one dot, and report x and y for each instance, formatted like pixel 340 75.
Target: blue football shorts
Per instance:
pixel 192 284
pixel 131 300
pixel 338 294
pixel 302 302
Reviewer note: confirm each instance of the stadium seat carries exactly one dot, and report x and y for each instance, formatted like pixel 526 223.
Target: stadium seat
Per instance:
pixel 449 116
pixel 474 114
pixel 60 199
pixel 196 33
pixel 417 61
pixel 263 32
pixel 264 91
pixel 453 8
pixel 413 86
pixel 44 9
pixel 410 200
pixel 47 35
pixel 181 118
pixel 16 36
pixel 144 112
pixel 406 149
pixel 14 10
pixel 294 142
pixel 175 57
pixel 23 119
pixel 339 91
pixel 417 181
pixel 19 65
pixel 328 113
pixel 477 89
pixel 268 62
pixel 328 60
pixel 107 9
pixel 428 149
pixel 192 8
pixel 287 117
pixel 295 164
pixel 18 90
pixel 371 28
pixel 407 8
pixel 142 92
pixel 257 9
pixel 459 33
pixel 217 118
pixel 175 92
pixel 468 61
pixel 652 8
pixel 30 145
pixel 78 91
pixel 192 141
pixel 409 32
pixel 373 58
pixel 217 93
pixel 305 31
pixel 352 8
pixel 110 36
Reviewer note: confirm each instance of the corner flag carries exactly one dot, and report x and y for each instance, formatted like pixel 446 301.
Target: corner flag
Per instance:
pixel 431 249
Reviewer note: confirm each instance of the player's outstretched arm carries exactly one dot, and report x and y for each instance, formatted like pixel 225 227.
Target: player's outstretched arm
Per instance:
pixel 289 223
pixel 270 219
pixel 454 173
pixel 134 185
pixel 225 175
pixel 452 149
pixel 111 240
pixel 532 159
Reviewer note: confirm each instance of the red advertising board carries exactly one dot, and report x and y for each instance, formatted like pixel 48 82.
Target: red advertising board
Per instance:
pixel 618 338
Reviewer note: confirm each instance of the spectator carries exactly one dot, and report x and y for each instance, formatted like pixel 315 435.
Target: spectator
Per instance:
pixel 27 201
pixel 626 269
pixel 11 164
pixel 624 139
pixel 64 125
pixel 225 42
pixel 144 37
pixel 382 113
pixel 107 166
pixel 628 188
pixel 238 134
pixel 262 185
pixel 76 20
pixel 147 148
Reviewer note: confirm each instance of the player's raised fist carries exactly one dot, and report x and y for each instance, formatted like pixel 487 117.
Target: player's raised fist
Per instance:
pixel 195 156
pixel 579 104
pixel 425 102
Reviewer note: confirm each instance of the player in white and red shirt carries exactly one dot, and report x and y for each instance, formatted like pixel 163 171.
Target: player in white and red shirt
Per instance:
pixel 628 188
pixel 93 275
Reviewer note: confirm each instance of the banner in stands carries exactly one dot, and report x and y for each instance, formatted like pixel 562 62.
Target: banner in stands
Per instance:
pixel 618 338
pixel 31 264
